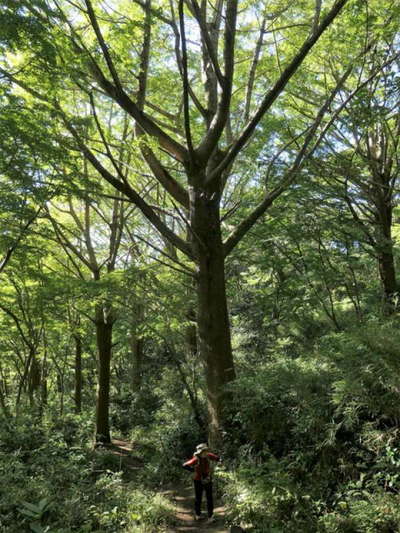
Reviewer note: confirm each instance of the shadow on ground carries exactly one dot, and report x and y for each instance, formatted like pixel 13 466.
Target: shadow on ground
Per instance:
pixel 182 498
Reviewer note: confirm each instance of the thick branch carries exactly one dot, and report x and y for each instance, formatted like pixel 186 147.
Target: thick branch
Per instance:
pixel 277 89
pixel 211 138
pixel 301 157
pixel 117 93
pixel 164 177
pixel 158 170
pixel 212 53
pixel 130 193
pixel 103 46
pixel 12 248
pixel 253 68
pixel 186 110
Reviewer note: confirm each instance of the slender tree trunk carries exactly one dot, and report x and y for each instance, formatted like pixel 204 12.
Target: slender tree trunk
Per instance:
pixel 61 397
pixel 60 390
pixel 212 314
pixel 137 345
pixel 34 378
pixel 22 382
pixel 3 393
pixel 104 346
pixel 3 402
pixel 45 372
pixel 44 391
pixel 191 393
pixel 137 348
pixel 78 373
pixel 191 335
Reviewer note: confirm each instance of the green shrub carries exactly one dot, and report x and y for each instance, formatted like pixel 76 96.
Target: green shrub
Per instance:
pixel 377 512
pixel 314 441
pixel 54 487
pixel 149 512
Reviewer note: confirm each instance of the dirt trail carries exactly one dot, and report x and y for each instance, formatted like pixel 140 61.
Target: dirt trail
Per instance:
pixel 182 499
pixel 124 450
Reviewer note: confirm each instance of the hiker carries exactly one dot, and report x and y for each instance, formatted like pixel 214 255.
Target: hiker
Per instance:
pixel 202 478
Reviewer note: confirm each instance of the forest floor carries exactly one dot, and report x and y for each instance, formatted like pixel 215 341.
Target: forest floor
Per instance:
pixel 181 496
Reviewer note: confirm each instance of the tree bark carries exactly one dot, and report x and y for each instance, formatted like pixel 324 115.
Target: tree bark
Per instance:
pixel 212 314
pixel 387 272
pixel 78 374
pixel 384 249
pixel 104 346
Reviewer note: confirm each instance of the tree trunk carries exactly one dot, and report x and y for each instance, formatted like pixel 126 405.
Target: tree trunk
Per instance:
pixel 34 381
pixel 3 403
pixel 191 335
pixel 104 345
pixel 22 383
pixel 4 393
pixel 44 391
pixel 78 374
pixel 137 345
pixel 212 314
pixel 387 274
pixel 60 390
pixel 386 264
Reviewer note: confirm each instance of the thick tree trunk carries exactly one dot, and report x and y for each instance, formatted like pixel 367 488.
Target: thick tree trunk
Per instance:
pixel 78 374
pixel 212 314
pixel 386 263
pixel 387 273
pixel 104 345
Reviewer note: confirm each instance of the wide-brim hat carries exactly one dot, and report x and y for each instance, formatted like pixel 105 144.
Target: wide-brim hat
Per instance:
pixel 201 448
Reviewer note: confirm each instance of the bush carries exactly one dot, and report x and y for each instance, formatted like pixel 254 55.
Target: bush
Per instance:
pixel 149 512
pixel 60 488
pixel 377 512
pixel 315 439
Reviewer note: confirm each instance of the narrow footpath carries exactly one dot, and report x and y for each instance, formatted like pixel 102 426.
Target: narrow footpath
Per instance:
pixel 182 499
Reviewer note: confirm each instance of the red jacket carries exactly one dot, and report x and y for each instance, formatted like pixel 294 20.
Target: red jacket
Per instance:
pixel 200 466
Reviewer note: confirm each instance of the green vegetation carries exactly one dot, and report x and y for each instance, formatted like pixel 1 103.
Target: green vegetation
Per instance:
pixel 199 224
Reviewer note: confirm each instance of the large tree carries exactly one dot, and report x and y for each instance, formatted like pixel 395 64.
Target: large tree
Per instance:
pixel 363 163
pixel 200 82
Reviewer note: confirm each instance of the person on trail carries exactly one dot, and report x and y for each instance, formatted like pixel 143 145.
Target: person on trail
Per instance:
pixel 200 465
